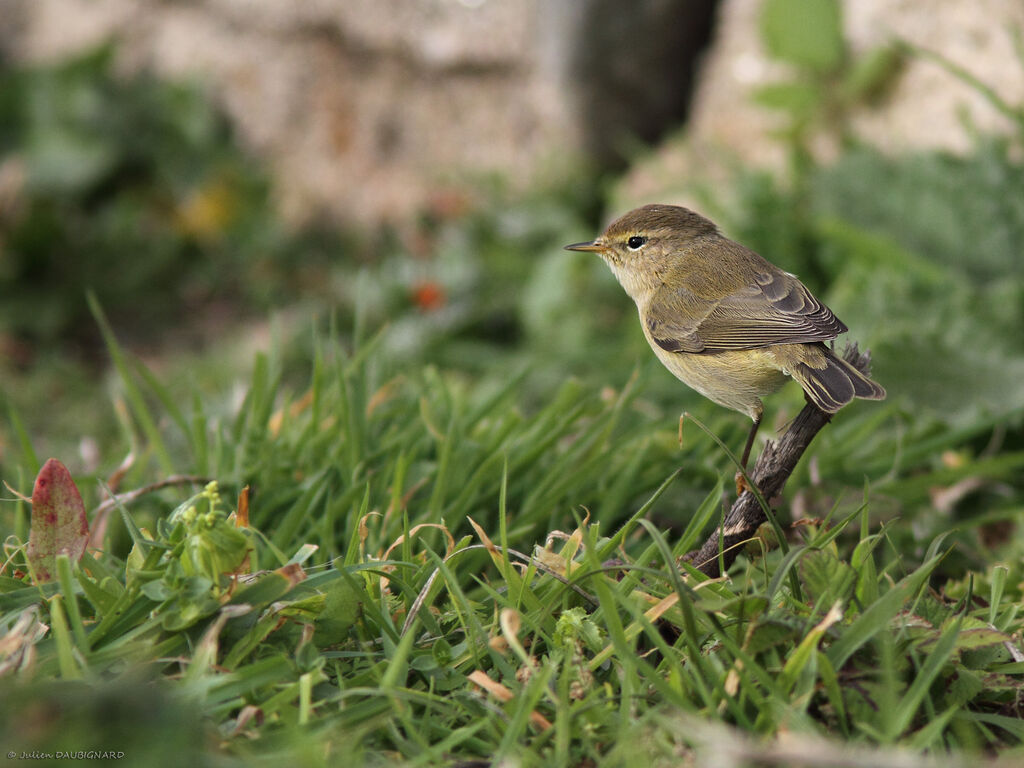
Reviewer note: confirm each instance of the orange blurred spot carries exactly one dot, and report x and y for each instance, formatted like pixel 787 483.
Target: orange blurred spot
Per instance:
pixel 428 296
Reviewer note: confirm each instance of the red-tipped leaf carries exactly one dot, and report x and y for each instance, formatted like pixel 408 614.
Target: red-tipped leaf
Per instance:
pixel 59 525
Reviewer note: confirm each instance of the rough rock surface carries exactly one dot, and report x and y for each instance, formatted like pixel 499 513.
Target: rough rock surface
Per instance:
pixel 369 109
pixel 374 109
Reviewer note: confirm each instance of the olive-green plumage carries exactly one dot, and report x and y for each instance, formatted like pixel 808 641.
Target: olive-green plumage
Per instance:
pixel 724 320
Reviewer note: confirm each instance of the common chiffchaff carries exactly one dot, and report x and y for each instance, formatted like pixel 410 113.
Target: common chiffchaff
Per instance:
pixel 721 318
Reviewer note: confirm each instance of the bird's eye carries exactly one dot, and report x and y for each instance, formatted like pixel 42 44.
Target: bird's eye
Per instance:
pixel 635 242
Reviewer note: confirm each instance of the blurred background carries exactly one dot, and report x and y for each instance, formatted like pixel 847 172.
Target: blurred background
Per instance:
pixel 218 172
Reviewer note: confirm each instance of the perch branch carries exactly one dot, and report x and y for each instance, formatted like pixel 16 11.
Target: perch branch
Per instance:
pixel 774 466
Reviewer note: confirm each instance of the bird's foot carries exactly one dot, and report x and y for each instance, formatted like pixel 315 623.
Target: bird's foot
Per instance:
pixel 743 485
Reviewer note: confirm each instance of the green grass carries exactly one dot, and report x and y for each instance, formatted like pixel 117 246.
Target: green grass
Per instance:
pixel 415 532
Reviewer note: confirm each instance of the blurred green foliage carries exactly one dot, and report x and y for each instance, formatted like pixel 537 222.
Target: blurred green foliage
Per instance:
pixel 825 79
pixel 133 718
pixel 131 187
pixel 933 272
pixel 135 189
pixel 806 33
pixel 508 295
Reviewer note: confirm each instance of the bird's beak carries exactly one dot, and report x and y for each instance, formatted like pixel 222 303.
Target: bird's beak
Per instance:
pixel 595 247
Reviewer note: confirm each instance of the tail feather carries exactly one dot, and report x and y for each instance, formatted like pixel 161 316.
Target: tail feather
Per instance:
pixel 836 384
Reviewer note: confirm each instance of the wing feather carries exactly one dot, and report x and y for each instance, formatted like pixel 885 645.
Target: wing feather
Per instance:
pixel 774 308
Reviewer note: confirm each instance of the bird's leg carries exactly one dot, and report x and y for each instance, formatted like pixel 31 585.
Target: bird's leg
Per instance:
pixel 741 484
pixel 750 441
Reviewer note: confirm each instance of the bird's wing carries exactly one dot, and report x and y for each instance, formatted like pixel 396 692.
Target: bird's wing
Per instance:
pixel 673 317
pixel 775 308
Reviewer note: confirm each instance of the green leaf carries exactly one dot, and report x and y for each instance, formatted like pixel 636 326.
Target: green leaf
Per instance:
pixel 963 688
pixel 807 33
pixel 768 634
pixel 799 99
pixel 876 617
pixel 1014 725
pixel 59 525
pixel 60 160
pixel 342 606
pixel 825 578
pixel 929 670
pixel 741 607
pixel 264 590
pixel 870 74
pixel 980 637
pixel 441 652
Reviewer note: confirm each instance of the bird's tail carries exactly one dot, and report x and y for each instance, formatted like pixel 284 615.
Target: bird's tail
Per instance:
pixel 835 383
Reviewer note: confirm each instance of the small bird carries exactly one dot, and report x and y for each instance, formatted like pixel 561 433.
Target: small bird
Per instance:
pixel 721 318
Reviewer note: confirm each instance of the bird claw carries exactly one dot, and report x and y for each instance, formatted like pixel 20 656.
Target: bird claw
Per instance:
pixel 742 485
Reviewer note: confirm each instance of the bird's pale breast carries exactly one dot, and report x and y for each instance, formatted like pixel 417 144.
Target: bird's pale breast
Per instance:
pixel 734 379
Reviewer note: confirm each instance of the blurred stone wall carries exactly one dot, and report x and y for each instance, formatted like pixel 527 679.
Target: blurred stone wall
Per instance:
pixel 925 107
pixel 375 109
